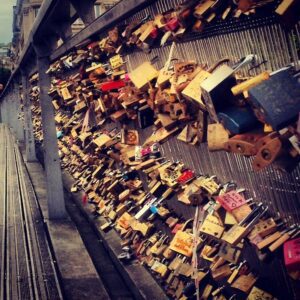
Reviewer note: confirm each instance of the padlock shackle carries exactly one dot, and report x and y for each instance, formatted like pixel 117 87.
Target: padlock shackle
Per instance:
pixel 256 218
pixel 249 217
pixel 250 58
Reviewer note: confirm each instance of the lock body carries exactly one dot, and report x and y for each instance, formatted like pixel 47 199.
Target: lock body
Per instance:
pixel 277 99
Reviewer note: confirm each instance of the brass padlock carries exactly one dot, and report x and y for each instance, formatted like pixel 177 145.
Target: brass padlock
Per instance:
pixel 160 268
pixel 237 232
pixel 212 226
pixel 257 294
pixel 221 272
pixel 245 282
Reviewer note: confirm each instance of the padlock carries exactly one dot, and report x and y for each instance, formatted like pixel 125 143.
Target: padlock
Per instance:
pixel 229 219
pixel 217 262
pixel 192 92
pixel 230 253
pixel 168 253
pixel 176 262
pixel 185 269
pixel 208 185
pixel 291 252
pixel 250 83
pixel 207 291
pixel 203 8
pixel 241 212
pixel 268 149
pixel 244 144
pixel 186 176
pixel 209 252
pixel 216 91
pixel 155 249
pixel 212 226
pixel 245 282
pixel 269 239
pixel 196 197
pixel 217 136
pixel 235 272
pixel 221 272
pixel 149 34
pixel 237 232
pixel 179 289
pixel 257 293
pixel 263 228
pixel 238 120
pixel 288 13
pixel 277 99
pixel 172 221
pixel 160 268
pixel 172 24
pixel 282 239
pixel 231 200
pixel 183 240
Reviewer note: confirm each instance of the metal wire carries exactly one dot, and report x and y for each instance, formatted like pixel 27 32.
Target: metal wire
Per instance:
pixel 275 48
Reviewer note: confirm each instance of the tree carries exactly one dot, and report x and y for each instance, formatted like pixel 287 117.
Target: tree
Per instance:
pixel 4 75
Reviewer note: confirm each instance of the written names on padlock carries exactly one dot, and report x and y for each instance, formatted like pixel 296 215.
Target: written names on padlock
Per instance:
pixel 212 226
pixel 231 200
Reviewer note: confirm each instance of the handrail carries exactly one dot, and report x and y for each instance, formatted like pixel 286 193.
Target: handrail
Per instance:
pixel 43 11
pixel 117 13
pixel 120 11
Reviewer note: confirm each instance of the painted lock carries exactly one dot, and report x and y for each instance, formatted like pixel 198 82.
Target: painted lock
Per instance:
pixel 277 99
pixel 238 119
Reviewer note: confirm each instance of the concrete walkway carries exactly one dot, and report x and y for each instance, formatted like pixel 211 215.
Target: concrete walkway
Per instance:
pixel 39 259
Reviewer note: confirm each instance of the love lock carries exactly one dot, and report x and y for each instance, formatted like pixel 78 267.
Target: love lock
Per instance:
pixel 244 144
pixel 238 231
pixel 269 149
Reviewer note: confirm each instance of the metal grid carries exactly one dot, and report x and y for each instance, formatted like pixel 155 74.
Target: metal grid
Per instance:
pixel 272 44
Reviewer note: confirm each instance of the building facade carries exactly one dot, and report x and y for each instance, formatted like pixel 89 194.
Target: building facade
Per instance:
pixel 25 12
pixel 5 61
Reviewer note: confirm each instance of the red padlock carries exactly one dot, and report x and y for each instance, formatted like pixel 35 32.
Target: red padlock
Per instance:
pixel 172 24
pixel 291 251
pixel 231 200
pixel 186 176
pixel 154 33
pixel 112 85
pixel 93 45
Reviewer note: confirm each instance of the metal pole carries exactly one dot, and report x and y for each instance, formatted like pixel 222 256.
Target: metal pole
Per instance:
pixel 17 122
pixel 85 10
pixel 9 101
pixel 30 154
pixel 55 194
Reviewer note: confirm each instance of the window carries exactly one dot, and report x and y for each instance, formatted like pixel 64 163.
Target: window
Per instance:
pixel 97 10
pixel 36 10
pixel 108 6
pixel 101 8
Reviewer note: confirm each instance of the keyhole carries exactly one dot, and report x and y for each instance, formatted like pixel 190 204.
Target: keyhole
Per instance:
pixel 266 154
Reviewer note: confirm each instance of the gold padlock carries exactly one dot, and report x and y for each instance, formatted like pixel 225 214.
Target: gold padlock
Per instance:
pixel 212 226
pixel 244 282
pixel 257 294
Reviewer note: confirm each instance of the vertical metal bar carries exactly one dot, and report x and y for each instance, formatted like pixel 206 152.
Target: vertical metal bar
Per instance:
pixel 28 128
pixel 16 105
pixel 55 194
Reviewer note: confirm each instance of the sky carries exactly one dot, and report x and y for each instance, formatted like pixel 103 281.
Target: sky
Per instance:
pixel 6 16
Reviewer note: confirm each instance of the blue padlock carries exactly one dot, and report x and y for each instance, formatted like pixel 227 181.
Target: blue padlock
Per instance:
pixel 154 209
pixel 238 120
pixel 277 99
pixel 59 134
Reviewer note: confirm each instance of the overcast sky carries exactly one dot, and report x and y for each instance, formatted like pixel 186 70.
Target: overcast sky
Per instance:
pixel 6 12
